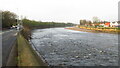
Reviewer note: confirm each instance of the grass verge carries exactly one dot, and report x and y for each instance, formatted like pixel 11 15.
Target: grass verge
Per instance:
pixel 26 55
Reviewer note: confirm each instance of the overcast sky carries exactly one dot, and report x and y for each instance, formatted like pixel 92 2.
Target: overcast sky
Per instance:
pixel 63 10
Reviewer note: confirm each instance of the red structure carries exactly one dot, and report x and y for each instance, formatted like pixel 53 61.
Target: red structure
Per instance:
pixel 107 24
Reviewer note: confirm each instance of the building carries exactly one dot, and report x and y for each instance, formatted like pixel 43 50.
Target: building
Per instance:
pixel 115 24
pixel 102 24
pixel 107 24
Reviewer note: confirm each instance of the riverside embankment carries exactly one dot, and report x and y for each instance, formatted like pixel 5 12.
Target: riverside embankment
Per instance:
pixel 27 56
pixel 111 30
pixel 21 52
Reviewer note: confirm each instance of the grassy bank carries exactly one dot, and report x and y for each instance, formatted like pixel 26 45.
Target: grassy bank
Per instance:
pixel 96 30
pixel 26 55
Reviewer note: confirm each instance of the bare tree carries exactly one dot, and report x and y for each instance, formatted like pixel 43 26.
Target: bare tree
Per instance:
pixel 95 19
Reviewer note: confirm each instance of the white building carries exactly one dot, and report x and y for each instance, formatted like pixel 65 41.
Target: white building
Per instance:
pixel 102 24
pixel 114 24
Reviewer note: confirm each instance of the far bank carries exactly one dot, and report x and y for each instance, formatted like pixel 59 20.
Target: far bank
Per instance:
pixel 95 30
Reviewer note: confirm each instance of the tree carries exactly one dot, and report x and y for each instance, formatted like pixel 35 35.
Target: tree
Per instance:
pixel 88 22
pixel 8 19
pixel 82 22
pixel 96 19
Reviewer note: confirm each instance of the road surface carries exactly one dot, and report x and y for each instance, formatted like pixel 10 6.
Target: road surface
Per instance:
pixel 0 48
pixel 8 39
pixel 59 46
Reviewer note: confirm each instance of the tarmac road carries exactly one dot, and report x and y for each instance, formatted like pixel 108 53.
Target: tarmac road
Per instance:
pixel 8 40
pixel 0 48
pixel 60 46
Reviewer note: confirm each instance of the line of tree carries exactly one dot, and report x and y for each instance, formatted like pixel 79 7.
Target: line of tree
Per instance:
pixel 83 22
pixel 8 19
pixel 40 24
pixel 96 20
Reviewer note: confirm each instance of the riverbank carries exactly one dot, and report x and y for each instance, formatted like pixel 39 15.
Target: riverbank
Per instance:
pixel 26 55
pixel 95 30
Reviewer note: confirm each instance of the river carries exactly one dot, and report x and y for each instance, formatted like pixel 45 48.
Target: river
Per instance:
pixel 60 46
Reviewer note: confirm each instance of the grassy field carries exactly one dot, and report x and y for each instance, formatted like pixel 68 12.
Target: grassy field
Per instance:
pixel 26 55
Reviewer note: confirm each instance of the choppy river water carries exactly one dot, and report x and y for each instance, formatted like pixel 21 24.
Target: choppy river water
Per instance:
pixel 61 46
